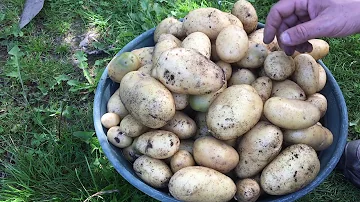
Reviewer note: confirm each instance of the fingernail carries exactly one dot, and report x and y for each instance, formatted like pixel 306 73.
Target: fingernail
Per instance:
pixel 285 38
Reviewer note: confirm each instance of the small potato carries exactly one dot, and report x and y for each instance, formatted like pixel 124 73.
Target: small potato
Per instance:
pixel 232 44
pixel 320 48
pixel 170 37
pixel 246 12
pixel 146 69
pixel 130 153
pixel 109 120
pixel 322 78
pixel 320 101
pixel 161 47
pixel 177 29
pixel 163 27
pixel 278 66
pixel 154 172
pixel 242 76
pixel 306 73
pixel 198 41
pixel 209 21
pixel 214 56
pixel 159 144
pixel 315 136
pixel 247 190
pixel 198 184
pixel 291 114
pixel 121 65
pixel 180 160
pixel 115 105
pixel 226 67
pixel 294 168
pixel 329 138
pixel 258 35
pixel 263 86
pixel 201 103
pixel 255 56
pixel 132 127
pixel 144 55
pixel 213 153
pixel 234 20
pixel 118 138
pixel 182 125
pixel 181 100
pixel 202 129
pixel 287 89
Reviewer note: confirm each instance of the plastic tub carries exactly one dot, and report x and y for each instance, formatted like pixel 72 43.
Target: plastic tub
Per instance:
pixel 335 119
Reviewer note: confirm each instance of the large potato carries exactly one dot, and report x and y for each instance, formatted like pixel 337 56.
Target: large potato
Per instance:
pixel 181 101
pixel 180 160
pixel 278 66
pixel 154 172
pixel 147 100
pixel 247 190
pixel 115 105
pixel 320 101
pixel 121 65
pixel 182 125
pixel 159 144
pixel 306 73
pixel 242 76
pixel 291 114
pixel 161 47
pixel 257 148
pixel 132 127
pixel 116 137
pixel 144 55
pixel 246 12
pixel 263 86
pixel 213 153
pixel 209 21
pixel 315 136
pixel 232 44
pixel 234 112
pixel 186 71
pixel 198 184
pixel 226 67
pixel 288 89
pixel 163 27
pixel 255 56
pixel 198 41
pixel 258 35
pixel 294 168
pixel 322 78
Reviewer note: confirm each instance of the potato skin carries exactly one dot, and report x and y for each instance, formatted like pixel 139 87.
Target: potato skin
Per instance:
pixel 234 20
pixel 278 66
pixel 255 56
pixel 116 137
pixel 320 48
pixel 294 168
pixel 198 41
pixel 322 78
pixel 320 101
pixel 197 184
pixel 161 47
pixel 147 100
pixel 181 159
pixel 258 35
pixel 209 21
pixel 181 101
pixel 121 64
pixel 306 73
pixel 182 125
pixel 115 105
pixel 130 153
pixel 186 71
pixel 226 67
pixel 246 12
pixel 247 190
pixel 163 27
pixel 146 69
pixel 257 148
pixel 291 114
pixel 144 55
pixel 287 89
pixel 154 172
pixel 201 103
pixel 110 119
pixel 177 29
pixel 132 127
pixel 263 86
pixel 242 76
pixel 213 153
pixel 170 37
pixel 234 112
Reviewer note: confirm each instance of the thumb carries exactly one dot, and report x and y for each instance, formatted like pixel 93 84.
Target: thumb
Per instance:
pixel 301 33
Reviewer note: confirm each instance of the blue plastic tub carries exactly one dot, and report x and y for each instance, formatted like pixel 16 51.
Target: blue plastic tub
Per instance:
pixel 335 119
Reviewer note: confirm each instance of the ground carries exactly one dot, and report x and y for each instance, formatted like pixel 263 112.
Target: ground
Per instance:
pixel 48 74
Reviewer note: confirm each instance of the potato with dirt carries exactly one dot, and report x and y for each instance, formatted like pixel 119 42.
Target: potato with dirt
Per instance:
pixel 278 66
pixel 247 190
pixel 132 127
pixel 182 125
pixel 161 47
pixel 234 20
pixel 320 101
pixel 110 119
pixel 116 137
pixel 255 56
pixel 130 152
pixel 121 65
pixel 115 105
pixel 181 159
pixel 246 12
pixel 258 35
pixel 306 73
pixel 163 27
pixel 287 89
pixel 263 86
pixel 170 37
pixel 198 41
pixel 242 76
pixel 144 55
pixel 181 100
pixel 226 67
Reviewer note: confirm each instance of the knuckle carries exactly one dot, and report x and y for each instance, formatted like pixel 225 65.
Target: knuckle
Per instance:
pixel 301 32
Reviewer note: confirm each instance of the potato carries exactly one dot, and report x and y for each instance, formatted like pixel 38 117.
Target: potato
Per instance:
pixel 115 105
pixel 246 12
pixel 202 129
pixel 278 66
pixel 182 125
pixel 146 69
pixel 197 184
pixel 214 56
pixel 110 119
pixel 231 142
pixel 320 101
pixel 242 76
pixel 159 144
pixel 258 35
pixel 170 37
pixel 329 138
pixel 118 138
pixel 255 56
pixel 147 100
pixel 294 168
pixel 226 67
pixel 213 153
pixel 130 153
pixel 209 21
pixel 186 71
pixel 161 47
pixel 154 172
pixel 234 112
pixel 187 145
pixel 232 44
pixel 201 103
pixel 180 160
pixel 144 55
pixel 288 89
pixel 132 127
pixel 257 148
pixel 181 100
pixel 198 41
pixel 306 73
pixel 320 48
pixel 177 29
pixel 315 136
pixel 247 190
pixel 121 65
pixel 322 78
pixel 291 114
pixel 263 86
pixel 163 27
pixel 234 20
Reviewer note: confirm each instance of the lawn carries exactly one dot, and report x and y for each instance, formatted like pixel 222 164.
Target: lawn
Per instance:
pixel 48 74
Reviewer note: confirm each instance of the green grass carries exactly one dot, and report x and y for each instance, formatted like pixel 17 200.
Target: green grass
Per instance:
pixel 48 149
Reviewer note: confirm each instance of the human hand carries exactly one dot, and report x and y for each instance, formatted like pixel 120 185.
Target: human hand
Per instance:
pixel 294 22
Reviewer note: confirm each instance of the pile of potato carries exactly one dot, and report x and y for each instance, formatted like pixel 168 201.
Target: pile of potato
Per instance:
pixel 212 113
